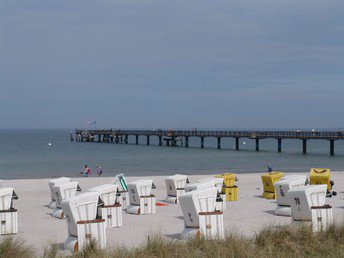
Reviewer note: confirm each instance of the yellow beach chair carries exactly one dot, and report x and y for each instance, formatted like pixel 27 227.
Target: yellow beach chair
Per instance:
pixel 229 188
pixel 269 179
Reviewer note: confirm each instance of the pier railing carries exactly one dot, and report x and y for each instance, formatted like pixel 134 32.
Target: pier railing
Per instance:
pixel 320 135
pixel 172 136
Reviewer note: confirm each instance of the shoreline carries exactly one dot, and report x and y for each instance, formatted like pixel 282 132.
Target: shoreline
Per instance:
pixel 76 176
pixel 246 216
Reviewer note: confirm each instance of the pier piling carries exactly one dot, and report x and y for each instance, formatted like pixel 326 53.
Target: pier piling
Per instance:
pixel 137 139
pixel 279 145
pixel 237 143
pixel 332 147
pixel 147 139
pixel 304 146
pixel 202 142
pixel 160 140
pixel 257 144
pixel 186 141
pixel 219 142
pixel 126 139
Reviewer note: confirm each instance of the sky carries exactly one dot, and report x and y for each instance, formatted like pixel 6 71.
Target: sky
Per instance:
pixel 172 64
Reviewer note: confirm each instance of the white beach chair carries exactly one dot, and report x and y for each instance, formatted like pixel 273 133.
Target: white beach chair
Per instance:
pixel 60 180
pixel 122 190
pixel 282 187
pixel 198 186
pixel 221 197
pixel 81 216
pixel 307 205
pixel 8 215
pixel 175 186
pixel 109 209
pixel 200 216
pixel 62 192
pixel 142 201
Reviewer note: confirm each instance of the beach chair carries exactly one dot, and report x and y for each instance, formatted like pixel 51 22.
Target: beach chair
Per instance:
pixel 282 187
pixel 60 180
pixel 109 209
pixel 122 190
pixel 142 201
pixel 229 188
pixel 198 186
pixel 321 176
pixel 268 180
pixel 200 217
pixel 62 192
pixel 83 225
pixel 218 182
pixel 8 214
pixel 175 186
pixel 307 205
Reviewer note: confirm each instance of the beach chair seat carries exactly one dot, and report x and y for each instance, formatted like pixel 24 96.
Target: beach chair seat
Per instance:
pixel 8 214
pixel 63 191
pixel 322 176
pixel 122 196
pixel 229 189
pixel 200 217
pixel 142 201
pixel 281 189
pixel 55 181
pixel 218 182
pixel 109 210
pixel 175 186
pixel 307 205
pixel 268 180
pixel 82 222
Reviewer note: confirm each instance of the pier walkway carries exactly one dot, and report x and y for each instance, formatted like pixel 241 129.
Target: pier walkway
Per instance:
pixel 172 137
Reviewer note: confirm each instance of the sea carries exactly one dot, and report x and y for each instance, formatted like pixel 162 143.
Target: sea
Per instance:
pixel 50 153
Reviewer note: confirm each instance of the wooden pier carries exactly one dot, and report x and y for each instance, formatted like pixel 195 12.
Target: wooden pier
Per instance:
pixel 172 137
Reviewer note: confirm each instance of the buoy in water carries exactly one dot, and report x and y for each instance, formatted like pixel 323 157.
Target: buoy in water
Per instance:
pixel 49 143
pixel 244 142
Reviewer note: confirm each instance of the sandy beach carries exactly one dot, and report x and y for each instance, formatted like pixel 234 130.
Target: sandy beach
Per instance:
pixel 245 216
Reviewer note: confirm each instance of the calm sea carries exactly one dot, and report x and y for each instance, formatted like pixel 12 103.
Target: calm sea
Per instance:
pixel 27 154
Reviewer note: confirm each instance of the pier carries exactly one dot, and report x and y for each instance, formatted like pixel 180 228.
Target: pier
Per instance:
pixel 173 137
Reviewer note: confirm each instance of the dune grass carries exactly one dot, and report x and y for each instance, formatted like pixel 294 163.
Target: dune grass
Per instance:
pixel 270 242
pixel 14 247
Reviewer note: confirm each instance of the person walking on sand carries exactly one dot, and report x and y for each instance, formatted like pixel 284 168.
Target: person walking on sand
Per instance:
pixel 99 170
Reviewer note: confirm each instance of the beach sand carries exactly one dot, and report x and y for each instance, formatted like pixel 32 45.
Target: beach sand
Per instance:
pixel 246 216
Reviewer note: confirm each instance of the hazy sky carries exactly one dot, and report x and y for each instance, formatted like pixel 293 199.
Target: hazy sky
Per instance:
pixel 161 64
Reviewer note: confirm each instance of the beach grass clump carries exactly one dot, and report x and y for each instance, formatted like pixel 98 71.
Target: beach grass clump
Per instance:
pixel 14 247
pixel 300 242
pixel 159 246
pixel 286 241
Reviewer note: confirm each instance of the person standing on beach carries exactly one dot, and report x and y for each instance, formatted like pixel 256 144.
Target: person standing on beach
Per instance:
pixel 99 170
pixel 84 171
pixel 87 171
